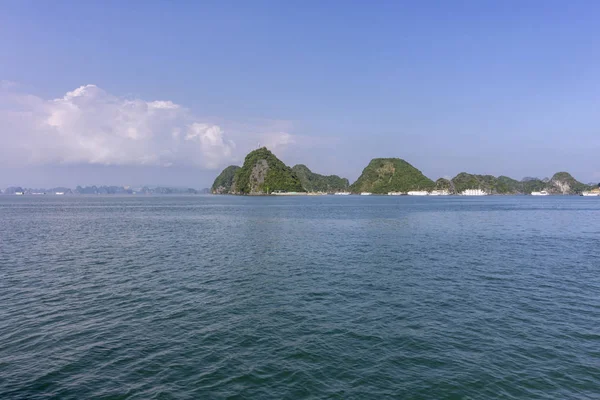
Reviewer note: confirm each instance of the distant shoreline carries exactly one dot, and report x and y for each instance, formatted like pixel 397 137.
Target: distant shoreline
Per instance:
pixel 262 173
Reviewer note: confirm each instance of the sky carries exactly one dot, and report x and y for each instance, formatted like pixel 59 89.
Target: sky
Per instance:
pixel 169 93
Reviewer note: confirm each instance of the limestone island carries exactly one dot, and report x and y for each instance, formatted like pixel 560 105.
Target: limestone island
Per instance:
pixel 264 174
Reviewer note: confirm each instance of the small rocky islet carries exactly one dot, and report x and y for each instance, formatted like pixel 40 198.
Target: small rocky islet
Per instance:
pixel 263 173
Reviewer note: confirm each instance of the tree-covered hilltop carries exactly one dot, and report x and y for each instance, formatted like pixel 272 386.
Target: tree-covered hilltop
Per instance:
pixel 561 183
pixel 489 183
pixel 384 175
pixel 564 183
pixel 465 181
pixel 313 182
pixel 506 185
pixel 224 181
pixel 278 179
pixel 444 184
pixel 263 173
pixel 529 185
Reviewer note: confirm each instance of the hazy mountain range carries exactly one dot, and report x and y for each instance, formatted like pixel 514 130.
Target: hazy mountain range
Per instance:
pixel 102 190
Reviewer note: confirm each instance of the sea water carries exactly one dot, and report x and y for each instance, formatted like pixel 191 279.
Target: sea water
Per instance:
pixel 352 297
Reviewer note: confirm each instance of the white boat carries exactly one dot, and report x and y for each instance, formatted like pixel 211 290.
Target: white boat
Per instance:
pixel 395 193
pixel 284 193
pixel 365 194
pixel 418 193
pixel 342 193
pixel 473 192
pixel 59 193
pixel 439 193
pixel 593 193
pixel 317 194
pixel 542 193
pixel 19 193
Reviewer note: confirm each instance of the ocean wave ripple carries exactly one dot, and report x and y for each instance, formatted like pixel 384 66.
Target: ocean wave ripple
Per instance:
pixel 204 297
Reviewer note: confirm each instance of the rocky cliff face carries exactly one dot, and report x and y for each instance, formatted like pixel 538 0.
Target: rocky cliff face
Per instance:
pixel 562 187
pixel 262 173
pixel 561 183
pixel 257 177
pixel 564 183
pixel 225 181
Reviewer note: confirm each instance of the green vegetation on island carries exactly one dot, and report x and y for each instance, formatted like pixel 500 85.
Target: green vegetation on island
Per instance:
pixel 488 183
pixel 465 181
pixel 564 183
pixel 224 181
pixel 384 175
pixel 444 184
pixel 529 185
pixel 506 185
pixel 561 183
pixel 313 182
pixel 263 173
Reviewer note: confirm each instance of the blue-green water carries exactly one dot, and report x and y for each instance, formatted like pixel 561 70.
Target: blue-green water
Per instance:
pixel 325 297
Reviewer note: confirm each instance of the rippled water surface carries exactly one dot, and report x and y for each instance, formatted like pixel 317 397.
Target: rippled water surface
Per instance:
pixel 327 297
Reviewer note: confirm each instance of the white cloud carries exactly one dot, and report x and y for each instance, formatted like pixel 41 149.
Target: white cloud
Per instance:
pixel 90 126
pixel 210 138
pixel 277 140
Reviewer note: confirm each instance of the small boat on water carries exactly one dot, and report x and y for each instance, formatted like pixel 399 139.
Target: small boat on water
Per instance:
pixel 365 193
pixel 542 193
pixel 395 193
pixel 59 193
pixel 591 193
pixel 418 193
pixel 342 193
pixel 439 193
pixel 284 193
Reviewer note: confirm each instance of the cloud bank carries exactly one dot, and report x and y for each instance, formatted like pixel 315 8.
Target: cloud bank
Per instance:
pixel 90 126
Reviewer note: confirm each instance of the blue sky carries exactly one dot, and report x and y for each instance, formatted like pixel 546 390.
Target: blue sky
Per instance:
pixel 492 87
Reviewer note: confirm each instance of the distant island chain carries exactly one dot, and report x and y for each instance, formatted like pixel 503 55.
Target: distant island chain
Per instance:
pixel 264 174
pixel 100 190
